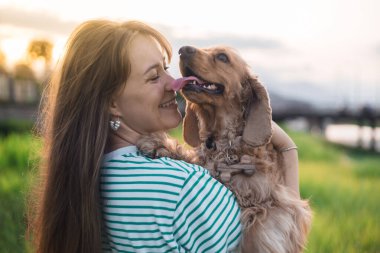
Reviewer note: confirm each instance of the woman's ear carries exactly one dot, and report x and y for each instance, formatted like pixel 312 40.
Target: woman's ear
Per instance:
pixel 190 127
pixel 258 126
pixel 114 109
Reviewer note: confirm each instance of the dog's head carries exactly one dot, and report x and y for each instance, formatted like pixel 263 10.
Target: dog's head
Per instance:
pixel 226 85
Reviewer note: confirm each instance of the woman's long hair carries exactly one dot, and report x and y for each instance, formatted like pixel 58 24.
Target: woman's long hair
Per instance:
pixel 74 127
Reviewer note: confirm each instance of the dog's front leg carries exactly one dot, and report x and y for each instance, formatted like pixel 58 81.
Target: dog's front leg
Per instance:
pixel 160 144
pixel 156 145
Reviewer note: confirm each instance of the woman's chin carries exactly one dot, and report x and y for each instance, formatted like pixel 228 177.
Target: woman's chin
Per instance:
pixel 174 121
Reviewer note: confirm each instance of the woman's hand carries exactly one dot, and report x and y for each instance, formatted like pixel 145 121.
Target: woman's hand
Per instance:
pixel 284 144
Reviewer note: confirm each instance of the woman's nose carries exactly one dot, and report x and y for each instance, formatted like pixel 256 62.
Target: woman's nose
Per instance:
pixel 169 82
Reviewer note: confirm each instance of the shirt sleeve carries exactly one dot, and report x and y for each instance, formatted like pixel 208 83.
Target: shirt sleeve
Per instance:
pixel 207 216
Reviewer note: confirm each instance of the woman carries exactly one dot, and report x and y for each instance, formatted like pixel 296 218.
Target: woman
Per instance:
pixel 98 193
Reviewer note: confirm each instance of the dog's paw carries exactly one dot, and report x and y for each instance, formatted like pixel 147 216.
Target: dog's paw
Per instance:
pixel 148 151
pixel 159 145
pixel 148 145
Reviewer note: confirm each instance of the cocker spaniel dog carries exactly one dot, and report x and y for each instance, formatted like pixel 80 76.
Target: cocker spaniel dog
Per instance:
pixel 228 123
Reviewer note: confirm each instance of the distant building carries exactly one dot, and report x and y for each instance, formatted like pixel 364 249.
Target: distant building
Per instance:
pixel 5 94
pixel 19 95
pixel 20 88
pixel 25 91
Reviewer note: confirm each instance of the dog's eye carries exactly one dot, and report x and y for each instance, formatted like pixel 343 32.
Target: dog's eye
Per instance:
pixel 222 57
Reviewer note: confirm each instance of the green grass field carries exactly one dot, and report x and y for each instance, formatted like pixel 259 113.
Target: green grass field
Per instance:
pixel 343 186
pixel 17 161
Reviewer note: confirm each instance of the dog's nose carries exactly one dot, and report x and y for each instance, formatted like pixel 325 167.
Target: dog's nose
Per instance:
pixel 186 51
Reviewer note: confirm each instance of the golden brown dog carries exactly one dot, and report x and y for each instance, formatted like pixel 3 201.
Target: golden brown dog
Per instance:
pixel 228 122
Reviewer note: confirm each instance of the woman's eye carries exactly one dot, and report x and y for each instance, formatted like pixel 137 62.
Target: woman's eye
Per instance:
pixel 155 78
pixel 222 57
pixel 166 68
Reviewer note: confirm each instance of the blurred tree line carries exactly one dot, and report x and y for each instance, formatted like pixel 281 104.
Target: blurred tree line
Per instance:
pixel 21 86
pixel 23 82
pixel 39 49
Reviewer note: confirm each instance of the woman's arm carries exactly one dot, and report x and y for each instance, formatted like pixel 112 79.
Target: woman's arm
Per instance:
pixel 207 216
pixel 288 148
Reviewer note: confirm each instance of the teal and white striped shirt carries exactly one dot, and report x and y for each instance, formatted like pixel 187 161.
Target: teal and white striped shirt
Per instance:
pixel 165 205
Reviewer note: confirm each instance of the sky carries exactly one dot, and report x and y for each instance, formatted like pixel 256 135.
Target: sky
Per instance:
pixel 326 52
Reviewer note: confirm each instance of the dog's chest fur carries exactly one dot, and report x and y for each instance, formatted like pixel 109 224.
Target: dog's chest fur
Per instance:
pixel 242 168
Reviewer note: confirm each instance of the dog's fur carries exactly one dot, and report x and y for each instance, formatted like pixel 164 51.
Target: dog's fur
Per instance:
pixel 229 128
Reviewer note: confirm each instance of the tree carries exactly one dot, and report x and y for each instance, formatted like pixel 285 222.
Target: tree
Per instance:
pixel 22 71
pixel 40 49
pixel 2 62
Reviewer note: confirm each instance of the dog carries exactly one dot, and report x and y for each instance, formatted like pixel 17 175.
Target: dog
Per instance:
pixel 228 122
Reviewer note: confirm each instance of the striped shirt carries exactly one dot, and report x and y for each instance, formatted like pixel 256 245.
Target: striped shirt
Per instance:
pixel 164 205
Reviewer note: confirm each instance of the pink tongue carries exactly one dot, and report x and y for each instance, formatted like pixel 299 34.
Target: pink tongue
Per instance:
pixel 180 82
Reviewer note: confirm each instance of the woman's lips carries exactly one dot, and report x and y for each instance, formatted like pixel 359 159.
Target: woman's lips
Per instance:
pixel 168 104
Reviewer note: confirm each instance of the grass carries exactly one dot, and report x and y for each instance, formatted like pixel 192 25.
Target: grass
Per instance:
pixel 343 186
pixel 16 163
pixel 15 126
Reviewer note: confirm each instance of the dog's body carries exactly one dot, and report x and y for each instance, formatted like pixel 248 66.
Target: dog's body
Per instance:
pixel 228 122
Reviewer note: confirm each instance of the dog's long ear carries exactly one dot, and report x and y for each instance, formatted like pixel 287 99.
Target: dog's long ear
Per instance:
pixel 190 128
pixel 258 127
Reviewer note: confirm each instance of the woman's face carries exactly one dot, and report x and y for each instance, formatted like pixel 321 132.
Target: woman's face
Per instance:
pixel 147 103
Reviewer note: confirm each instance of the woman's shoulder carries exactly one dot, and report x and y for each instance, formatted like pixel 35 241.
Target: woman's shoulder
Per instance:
pixel 188 168
pixel 127 166
pixel 129 158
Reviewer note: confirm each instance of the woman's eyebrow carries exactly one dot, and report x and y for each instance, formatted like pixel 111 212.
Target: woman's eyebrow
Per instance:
pixel 154 66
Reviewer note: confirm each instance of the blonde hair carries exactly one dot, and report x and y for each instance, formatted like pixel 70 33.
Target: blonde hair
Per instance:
pixel 75 129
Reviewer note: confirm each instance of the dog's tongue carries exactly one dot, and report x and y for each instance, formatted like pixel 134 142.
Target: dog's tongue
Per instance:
pixel 180 82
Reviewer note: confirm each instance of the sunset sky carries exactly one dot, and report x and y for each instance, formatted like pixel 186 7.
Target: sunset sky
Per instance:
pixel 323 51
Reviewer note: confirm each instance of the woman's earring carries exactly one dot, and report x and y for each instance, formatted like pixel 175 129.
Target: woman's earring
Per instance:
pixel 115 124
